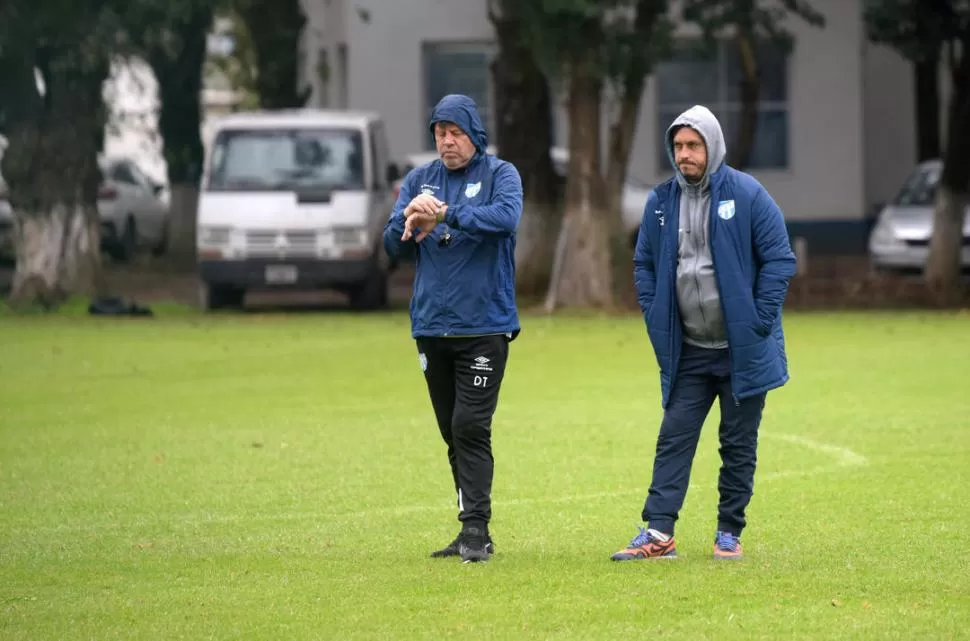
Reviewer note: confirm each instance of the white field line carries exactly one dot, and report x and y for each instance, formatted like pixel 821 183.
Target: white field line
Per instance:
pixel 843 457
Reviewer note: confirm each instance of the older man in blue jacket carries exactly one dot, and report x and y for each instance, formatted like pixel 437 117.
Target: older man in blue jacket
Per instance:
pixel 457 217
pixel 712 266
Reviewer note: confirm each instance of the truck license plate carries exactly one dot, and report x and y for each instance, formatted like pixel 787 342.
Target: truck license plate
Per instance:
pixel 281 274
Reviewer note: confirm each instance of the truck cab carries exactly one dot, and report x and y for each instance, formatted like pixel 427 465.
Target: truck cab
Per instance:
pixel 295 199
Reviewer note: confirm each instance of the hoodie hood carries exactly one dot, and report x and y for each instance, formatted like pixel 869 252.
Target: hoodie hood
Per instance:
pixel 462 111
pixel 701 120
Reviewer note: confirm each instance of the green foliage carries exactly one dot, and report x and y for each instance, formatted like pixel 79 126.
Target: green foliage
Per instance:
pixel 275 28
pixel 602 32
pixel 718 18
pixel 53 61
pixel 917 29
pixel 639 37
pixel 238 66
pixel 157 25
pixel 171 35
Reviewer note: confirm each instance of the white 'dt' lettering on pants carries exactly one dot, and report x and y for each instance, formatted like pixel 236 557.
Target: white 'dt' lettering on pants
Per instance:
pixel 482 364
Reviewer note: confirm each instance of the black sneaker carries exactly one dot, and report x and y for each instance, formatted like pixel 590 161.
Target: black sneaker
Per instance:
pixel 452 549
pixel 473 546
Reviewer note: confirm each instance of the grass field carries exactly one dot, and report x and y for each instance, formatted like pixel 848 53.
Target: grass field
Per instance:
pixel 277 476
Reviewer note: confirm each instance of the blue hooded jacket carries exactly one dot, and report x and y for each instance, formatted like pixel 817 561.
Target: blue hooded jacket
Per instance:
pixel 467 286
pixel 753 263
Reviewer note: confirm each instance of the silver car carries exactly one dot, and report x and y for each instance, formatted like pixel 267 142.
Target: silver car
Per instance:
pixel 901 237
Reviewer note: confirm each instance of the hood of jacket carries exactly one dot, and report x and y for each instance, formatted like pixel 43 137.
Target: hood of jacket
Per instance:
pixel 704 122
pixel 462 111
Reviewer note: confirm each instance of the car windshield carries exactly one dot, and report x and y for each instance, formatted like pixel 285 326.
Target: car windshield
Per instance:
pixel 287 159
pixel 920 188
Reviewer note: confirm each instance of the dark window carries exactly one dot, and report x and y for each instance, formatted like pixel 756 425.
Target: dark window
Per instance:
pixel 696 77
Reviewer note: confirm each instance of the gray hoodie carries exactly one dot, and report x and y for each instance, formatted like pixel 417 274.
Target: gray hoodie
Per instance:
pixel 697 295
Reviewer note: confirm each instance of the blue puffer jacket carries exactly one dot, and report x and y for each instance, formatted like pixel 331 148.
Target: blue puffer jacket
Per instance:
pixel 753 262
pixel 467 286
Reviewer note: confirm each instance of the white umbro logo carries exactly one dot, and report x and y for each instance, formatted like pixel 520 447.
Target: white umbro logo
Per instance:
pixel 481 364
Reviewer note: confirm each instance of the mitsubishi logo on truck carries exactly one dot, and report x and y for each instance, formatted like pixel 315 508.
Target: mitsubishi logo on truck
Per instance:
pixel 282 245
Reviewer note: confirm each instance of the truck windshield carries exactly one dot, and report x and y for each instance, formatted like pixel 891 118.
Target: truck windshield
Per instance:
pixel 287 160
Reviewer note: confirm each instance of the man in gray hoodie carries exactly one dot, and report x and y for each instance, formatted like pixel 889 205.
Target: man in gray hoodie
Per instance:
pixel 712 267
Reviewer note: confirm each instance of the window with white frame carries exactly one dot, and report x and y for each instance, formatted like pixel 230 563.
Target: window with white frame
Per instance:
pixel 713 79
pixel 458 68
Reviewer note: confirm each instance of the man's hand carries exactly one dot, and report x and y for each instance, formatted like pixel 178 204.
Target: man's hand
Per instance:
pixel 423 223
pixel 423 214
pixel 422 203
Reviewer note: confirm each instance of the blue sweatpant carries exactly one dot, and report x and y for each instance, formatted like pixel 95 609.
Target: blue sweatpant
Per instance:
pixel 704 375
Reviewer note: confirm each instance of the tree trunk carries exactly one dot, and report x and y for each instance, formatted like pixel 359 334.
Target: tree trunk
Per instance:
pixel 927 77
pixel 622 134
pixel 179 123
pixel 586 278
pixel 535 246
pixel 275 29
pixel 523 135
pixel 183 205
pixel 620 143
pixel 647 24
pixel 739 154
pixel 942 269
pixel 52 171
pixel 57 256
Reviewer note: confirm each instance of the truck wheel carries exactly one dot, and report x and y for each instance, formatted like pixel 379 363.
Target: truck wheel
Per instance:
pixel 214 297
pixel 372 293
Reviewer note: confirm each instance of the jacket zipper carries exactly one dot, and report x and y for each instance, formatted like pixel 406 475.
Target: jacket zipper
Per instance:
pixel 696 247
pixel 720 297
pixel 672 278
pixel 444 259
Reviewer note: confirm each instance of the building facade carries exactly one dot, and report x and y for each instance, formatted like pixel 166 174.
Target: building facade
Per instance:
pixel 836 130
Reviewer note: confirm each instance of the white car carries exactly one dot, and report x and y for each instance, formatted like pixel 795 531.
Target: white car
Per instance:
pixel 635 192
pixel 900 240
pixel 132 216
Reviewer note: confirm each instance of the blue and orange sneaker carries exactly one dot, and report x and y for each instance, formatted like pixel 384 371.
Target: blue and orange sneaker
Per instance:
pixel 727 546
pixel 648 544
